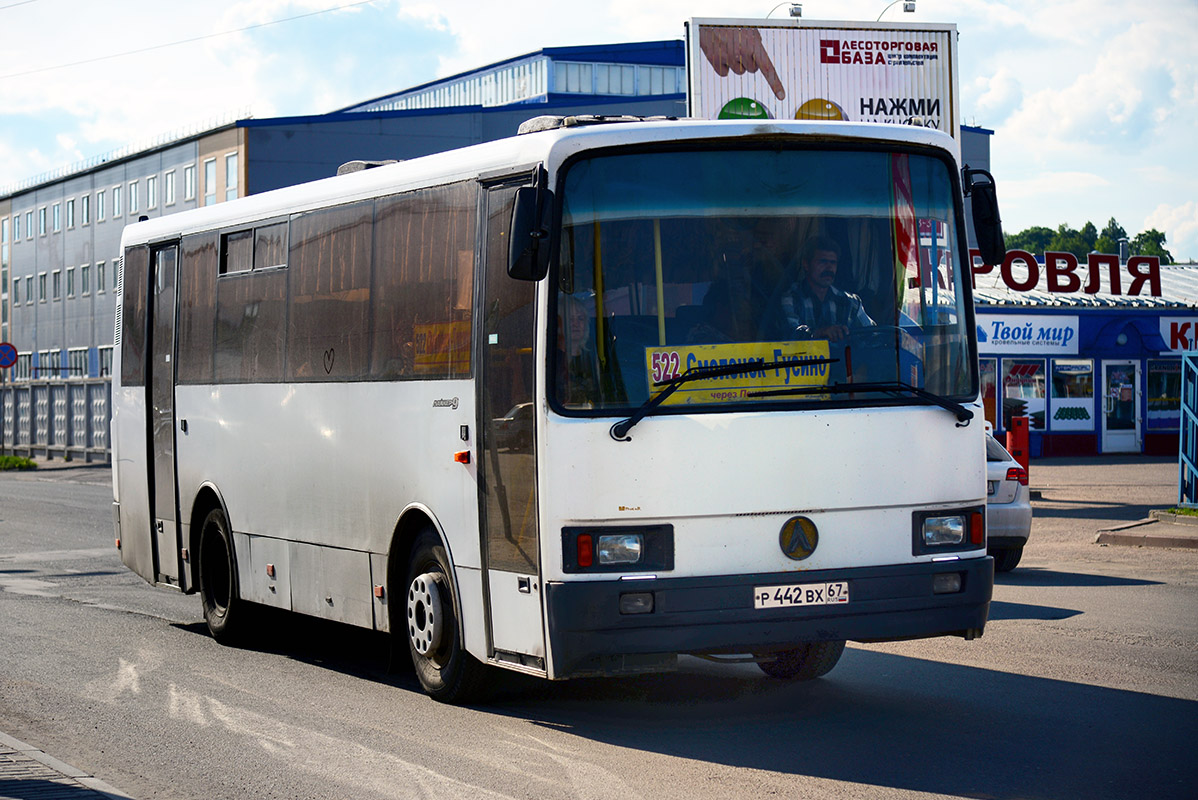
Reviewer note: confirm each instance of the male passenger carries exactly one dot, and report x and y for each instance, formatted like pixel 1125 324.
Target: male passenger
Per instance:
pixel 814 308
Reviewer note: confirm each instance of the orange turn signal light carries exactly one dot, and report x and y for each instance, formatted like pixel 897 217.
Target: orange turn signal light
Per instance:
pixel 462 456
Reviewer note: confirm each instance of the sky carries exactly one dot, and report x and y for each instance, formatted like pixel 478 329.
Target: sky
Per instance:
pixel 1094 104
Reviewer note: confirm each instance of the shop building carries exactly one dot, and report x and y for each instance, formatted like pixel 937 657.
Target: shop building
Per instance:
pixel 1090 352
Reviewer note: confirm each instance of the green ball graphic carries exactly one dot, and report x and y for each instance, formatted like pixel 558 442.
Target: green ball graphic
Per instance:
pixel 743 108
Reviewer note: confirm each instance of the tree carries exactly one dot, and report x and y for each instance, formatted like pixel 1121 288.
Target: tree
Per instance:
pixel 1034 240
pixel 1068 240
pixel 1114 231
pixel 1089 235
pixel 1151 243
pixel 1108 240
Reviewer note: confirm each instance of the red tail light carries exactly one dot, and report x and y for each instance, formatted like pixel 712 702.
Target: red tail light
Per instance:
pixel 585 551
pixel 1017 474
pixel 977 528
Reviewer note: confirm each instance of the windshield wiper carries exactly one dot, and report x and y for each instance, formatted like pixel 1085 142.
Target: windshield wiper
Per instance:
pixel 963 414
pixel 620 430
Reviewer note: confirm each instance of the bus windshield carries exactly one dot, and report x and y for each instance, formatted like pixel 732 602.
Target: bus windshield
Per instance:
pixel 812 267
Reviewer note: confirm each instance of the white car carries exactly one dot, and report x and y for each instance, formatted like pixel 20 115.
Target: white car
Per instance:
pixel 1008 507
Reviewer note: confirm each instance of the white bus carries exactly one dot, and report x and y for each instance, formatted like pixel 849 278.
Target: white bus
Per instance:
pixel 571 403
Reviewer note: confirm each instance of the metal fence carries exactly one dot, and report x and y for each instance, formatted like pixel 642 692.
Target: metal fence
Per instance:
pixel 66 419
pixel 1187 489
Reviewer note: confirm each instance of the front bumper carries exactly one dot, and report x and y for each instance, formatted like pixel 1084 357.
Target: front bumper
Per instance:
pixel 589 636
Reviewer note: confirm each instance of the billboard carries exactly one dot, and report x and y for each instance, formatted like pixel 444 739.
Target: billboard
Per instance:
pixel 812 69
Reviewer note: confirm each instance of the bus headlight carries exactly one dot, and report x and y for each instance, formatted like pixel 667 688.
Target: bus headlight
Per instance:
pixel 944 530
pixel 621 548
pixel 951 530
pixel 632 548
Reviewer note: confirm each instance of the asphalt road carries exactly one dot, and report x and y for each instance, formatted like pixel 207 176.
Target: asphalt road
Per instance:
pixel 1085 685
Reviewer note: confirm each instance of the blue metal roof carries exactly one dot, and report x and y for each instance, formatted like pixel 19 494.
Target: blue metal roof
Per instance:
pixel 553 100
pixel 668 52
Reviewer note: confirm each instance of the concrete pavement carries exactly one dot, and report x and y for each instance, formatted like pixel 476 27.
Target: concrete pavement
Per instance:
pixel 1113 496
pixel 27 773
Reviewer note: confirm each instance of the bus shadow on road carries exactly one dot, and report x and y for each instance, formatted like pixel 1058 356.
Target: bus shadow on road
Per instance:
pixel 1000 610
pixel 892 721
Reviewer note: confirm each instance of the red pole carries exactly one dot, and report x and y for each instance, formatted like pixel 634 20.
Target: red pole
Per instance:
pixel 1017 435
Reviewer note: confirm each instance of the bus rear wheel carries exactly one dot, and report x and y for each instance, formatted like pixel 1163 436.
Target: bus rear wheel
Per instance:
pixel 431 620
pixel 219 592
pixel 806 662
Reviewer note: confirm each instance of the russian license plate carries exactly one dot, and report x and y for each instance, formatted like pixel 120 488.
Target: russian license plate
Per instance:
pixel 803 594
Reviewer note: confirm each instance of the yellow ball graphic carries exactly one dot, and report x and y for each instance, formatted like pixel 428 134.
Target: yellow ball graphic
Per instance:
pixel 817 108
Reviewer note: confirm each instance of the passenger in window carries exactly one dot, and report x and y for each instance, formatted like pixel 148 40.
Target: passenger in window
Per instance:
pixel 577 365
pixel 814 307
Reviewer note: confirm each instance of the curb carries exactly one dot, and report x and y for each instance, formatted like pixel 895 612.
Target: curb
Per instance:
pixel 1165 515
pixel 1182 541
pixel 20 761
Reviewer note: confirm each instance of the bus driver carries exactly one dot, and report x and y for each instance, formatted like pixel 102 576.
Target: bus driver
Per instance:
pixel 813 307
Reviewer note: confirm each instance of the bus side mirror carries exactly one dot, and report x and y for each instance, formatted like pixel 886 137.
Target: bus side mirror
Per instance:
pixel 528 240
pixel 987 224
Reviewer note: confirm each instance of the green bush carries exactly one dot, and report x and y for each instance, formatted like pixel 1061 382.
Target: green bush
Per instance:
pixel 16 462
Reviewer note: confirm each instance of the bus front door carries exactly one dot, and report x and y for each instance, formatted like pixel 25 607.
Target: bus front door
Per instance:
pixel 161 379
pixel 507 456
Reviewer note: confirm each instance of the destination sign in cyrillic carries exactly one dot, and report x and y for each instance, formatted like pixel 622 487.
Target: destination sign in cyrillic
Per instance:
pixel 667 363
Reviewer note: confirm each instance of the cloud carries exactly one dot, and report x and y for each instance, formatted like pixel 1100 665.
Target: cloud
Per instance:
pixel 1180 226
pixel 1117 93
pixel 997 96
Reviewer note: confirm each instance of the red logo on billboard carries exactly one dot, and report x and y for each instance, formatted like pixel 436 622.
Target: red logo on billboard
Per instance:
pixel 829 51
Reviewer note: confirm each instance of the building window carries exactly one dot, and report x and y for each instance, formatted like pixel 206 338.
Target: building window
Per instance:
pixel 56 216
pixel 77 362
pixel 99 277
pixel 28 289
pixel 16 227
pixel 209 181
pixel 1072 401
pixel 132 197
pixel 189 182
pixel 231 176
pixel 116 201
pixel 105 361
pixel 116 272
pixel 41 287
pixel 1164 394
pixel 70 281
pixel 100 206
pixel 152 191
pixel 56 284
pixel 16 292
pixel 168 188
pixel 1023 391
pixel 29 225
pixel 85 209
pixel 85 287
pixel 41 221
pixel 70 214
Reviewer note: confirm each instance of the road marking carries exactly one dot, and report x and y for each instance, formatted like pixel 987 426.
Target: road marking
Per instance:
pixel 56 555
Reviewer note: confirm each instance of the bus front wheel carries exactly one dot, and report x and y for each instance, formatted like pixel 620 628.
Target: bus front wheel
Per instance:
pixel 432 617
pixel 223 608
pixel 805 662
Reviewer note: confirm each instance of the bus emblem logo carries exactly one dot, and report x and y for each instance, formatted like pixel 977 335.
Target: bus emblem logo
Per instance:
pixel 451 402
pixel 798 538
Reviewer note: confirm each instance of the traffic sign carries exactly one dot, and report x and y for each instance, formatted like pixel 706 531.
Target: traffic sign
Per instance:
pixel 8 355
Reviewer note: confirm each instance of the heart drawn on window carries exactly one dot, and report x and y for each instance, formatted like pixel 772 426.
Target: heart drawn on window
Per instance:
pixel 328 361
